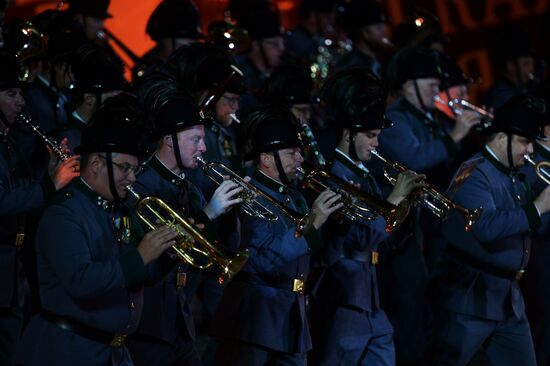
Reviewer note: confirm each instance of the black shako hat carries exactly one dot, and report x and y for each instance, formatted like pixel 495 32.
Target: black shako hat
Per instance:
pixel 174 19
pixel 94 8
pixel 451 73
pixel 113 129
pixel 9 72
pixel 361 13
pixel 411 64
pixel 262 24
pixel 521 115
pixel 177 113
pixel 356 100
pixel 289 84
pixel 96 70
pixel 270 128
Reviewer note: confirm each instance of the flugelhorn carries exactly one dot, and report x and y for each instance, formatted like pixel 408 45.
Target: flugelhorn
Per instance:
pixel 191 246
pixel 430 198
pixel 50 142
pixel 358 206
pixel 539 168
pixel 250 194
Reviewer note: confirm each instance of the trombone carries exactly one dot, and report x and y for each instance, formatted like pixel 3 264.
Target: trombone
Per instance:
pixel 358 206
pixel 191 246
pixel 539 168
pixel 431 199
pixel 217 172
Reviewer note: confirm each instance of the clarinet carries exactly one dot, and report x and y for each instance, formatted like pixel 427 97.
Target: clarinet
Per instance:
pixel 57 150
pixel 312 142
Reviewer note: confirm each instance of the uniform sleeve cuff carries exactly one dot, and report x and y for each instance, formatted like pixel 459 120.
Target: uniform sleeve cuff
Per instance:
pixel 450 145
pixel 533 216
pixel 313 239
pixel 48 188
pixel 133 267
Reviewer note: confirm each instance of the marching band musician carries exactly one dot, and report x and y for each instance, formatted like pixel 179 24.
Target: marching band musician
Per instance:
pixel 97 76
pixel 418 142
pixel 480 302
pixel 92 257
pixel 349 321
pixel 21 194
pixel 166 332
pixel 262 318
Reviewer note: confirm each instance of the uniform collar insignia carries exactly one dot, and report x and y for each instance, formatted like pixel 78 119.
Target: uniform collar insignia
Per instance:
pixel 269 182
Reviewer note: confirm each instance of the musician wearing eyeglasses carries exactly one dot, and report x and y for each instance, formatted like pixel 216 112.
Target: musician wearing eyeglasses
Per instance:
pixel 351 328
pixel 92 256
pixel 261 318
pixel 166 333
pixel 21 195
pixel 480 304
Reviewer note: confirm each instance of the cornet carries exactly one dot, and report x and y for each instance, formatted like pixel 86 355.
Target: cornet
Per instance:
pixel 431 199
pixel 358 206
pixel 250 193
pixel 191 246
pixel 539 168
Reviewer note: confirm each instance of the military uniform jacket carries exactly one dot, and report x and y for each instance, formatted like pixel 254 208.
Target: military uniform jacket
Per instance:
pixel 164 301
pixel 350 278
pixel 19 194
pixel 470 276
pixel 258 305
pixel 414 140
pixel 87 276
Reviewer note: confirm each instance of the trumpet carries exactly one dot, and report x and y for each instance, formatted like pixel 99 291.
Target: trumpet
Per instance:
pixel 53 145
pixel 458 106
pixel 250 193
pixel 539 168
pixel 431 199
pixel 358 206
pixel 191 246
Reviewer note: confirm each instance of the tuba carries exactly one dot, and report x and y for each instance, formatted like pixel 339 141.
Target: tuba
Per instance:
pixel 191 246
pixel 539 168
pixel 358 206
pixel 431 199
pixel 217 172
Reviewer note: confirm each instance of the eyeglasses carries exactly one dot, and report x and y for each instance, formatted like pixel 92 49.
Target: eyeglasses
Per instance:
pixel 125 168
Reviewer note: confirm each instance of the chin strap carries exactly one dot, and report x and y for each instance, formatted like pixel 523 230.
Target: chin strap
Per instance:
pixel 264 57
pixel 114 193
pixel 352 150
pixel 419 97
pixel 176 147
pixel 509 152
pixel 282 176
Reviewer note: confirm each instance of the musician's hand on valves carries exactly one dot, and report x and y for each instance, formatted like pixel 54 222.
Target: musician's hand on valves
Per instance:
pixel 463 124
pixel 155 242
pixel 66 171
pixel 543 201
pixel 407 182
pixel 223 199
pixel 325 204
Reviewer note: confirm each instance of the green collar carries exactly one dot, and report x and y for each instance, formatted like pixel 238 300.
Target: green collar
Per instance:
pixel 166 173
pixel 542 151
pixel 212 125
pixel 269 182
pixel 93 196
pixel 497 164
